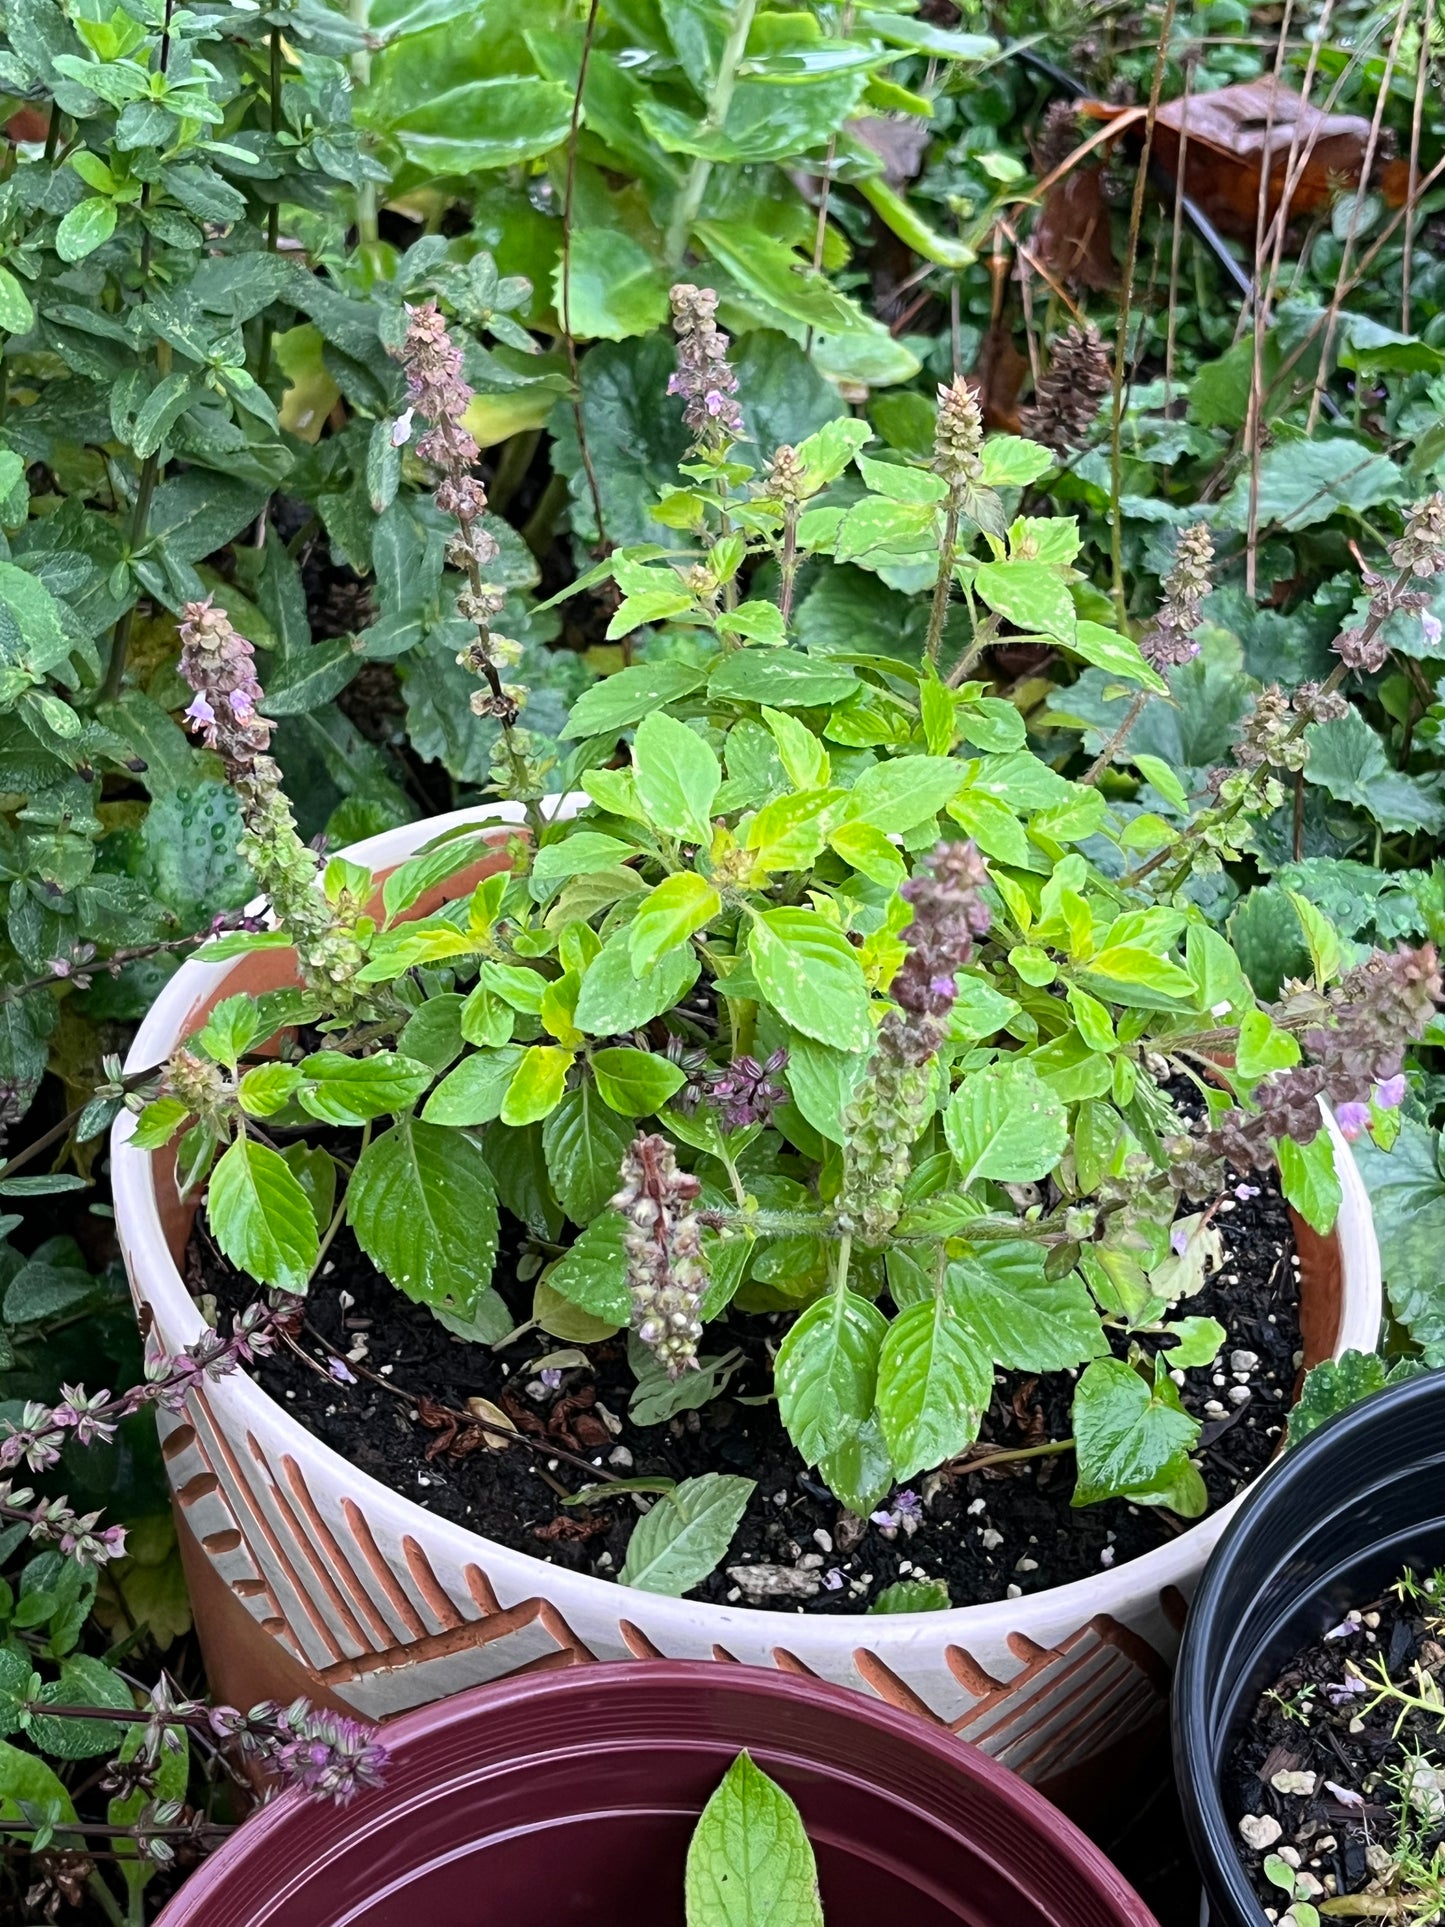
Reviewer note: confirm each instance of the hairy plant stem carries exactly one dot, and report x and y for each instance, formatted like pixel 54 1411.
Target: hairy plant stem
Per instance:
pixel 689 199
pixel 942 589
pixel 1216 819
pixel 139 523
pixel 1106 755
pixel 1126 298
pixel 787 562
pixel 794 1224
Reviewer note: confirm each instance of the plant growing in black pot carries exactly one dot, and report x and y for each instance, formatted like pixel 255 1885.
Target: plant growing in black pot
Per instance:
pixel 1309 1715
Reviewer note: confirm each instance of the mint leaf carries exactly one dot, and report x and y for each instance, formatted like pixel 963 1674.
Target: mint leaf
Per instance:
pixel 686 1534
pixel 749 1863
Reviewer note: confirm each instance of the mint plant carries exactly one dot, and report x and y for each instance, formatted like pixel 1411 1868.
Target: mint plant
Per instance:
pixel 834 998
pixel 106 1781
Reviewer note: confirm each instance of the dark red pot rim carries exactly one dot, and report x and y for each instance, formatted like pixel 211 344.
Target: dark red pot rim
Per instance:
pixel 581 1713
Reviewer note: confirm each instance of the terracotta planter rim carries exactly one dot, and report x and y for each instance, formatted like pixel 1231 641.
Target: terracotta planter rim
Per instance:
pixel 139 1222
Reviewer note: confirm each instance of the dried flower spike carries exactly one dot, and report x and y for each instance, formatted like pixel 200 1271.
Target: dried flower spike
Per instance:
pixel 1418 554
pixel 703 376
pixel 1066 402
pixel 958 435
pixel 1170 641
pixel 663 1241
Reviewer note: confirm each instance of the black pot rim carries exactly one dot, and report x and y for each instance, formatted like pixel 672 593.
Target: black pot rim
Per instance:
pixel 1287 1491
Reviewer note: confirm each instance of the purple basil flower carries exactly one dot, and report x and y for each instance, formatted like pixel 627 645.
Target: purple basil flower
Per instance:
pixel 1352 1119
pixel 1390 1092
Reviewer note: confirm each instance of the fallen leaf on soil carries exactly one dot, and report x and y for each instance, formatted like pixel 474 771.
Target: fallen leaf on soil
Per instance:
pixel 1237 133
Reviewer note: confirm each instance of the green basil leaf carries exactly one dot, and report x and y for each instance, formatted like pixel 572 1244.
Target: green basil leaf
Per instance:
pixel 424 1209
pixel 1129 1439
pixel 934 1385
pixel 537 1085
pixel 261 1218
pixel 614 999
pixel 826 1372
pixel 810 974
pixel 677 777
pixel 1004 1123
pixel 1021 1317
pixel 593 1274
pixel 352 1090
pixel 635 1082
pixel 584 1145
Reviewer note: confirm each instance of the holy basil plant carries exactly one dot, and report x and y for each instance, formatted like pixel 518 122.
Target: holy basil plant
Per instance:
pixel 821 994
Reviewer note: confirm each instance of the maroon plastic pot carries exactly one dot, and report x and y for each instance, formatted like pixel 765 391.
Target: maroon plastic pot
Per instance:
pixel 564 1798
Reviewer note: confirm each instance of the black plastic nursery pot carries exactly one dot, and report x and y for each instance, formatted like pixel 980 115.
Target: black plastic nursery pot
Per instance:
pixel 1332 1524
pixel 567 1798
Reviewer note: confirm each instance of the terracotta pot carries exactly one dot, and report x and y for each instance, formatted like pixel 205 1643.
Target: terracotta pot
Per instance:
pixel 572 1800
pixel 301 1562
pixel 1328 1527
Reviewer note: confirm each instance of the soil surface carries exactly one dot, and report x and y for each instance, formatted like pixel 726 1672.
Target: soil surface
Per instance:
pixel 987 1534
pixel 1316 1777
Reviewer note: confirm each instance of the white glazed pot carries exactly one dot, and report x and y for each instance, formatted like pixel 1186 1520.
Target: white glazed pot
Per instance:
pixel 348 1587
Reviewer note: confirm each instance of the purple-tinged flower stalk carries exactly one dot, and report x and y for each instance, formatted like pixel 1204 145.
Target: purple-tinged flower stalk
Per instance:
pixel 220 666
pixel 329 1756
pixel 744 1092
pixel 1418 555
pixel 891 1108
pixel 958 461
pixel 666 1274
pixel 438 391
pixel 1170 640
pixel 79 1535
pixel 1374 1015
pixel 704 377
pixel 93 1419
